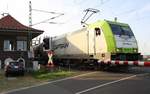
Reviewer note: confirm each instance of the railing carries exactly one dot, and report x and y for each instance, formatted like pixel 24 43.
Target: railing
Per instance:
pixel 130 63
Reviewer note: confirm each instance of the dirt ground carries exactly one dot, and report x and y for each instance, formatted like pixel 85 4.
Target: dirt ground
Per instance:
pixel 16 81
pixel 28 79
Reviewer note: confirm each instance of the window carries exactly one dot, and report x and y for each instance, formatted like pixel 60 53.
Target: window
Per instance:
pixel 97 31
pixel 21 45
pixel 121 30
pixel 115 29
pixel 127 30
pixel 6 45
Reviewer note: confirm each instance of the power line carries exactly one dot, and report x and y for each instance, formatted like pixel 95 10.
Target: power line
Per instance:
pixel 103 2
pixel 47 11
pixel 38 10
pixel 55 23
pixel 44 21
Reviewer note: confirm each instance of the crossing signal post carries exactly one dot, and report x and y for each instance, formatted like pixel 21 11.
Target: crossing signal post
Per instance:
pixel 48 49
pixel 46 43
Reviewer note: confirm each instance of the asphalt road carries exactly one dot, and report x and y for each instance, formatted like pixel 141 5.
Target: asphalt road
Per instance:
pixel 134 81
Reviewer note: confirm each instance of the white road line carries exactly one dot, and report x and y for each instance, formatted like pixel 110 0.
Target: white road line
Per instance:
pixel 44 83
pixel 90 89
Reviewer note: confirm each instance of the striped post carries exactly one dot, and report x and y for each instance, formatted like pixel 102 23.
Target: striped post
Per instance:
pixel 135 63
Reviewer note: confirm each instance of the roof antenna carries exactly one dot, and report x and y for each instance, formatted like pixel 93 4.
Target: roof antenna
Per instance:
pixel 115 19
pixel 91 11
pixel 4 14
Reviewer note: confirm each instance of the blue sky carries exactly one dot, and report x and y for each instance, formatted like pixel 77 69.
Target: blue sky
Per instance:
pixel 134 12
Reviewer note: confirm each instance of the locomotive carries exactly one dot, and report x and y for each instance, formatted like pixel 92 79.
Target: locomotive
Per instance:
pixel 98 43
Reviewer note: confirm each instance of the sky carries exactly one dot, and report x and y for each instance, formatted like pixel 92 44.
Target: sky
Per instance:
pixel 134 12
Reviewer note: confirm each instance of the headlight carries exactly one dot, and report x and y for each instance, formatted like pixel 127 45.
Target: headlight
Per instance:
pixel 118 50
pixel 135 50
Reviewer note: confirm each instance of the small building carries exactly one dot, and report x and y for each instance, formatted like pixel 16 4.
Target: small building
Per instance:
pixel 15 39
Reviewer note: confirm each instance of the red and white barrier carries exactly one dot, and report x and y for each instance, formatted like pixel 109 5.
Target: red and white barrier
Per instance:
pixel 132 63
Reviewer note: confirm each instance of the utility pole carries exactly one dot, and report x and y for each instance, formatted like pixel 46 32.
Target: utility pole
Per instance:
pixel 30 14
pixel 43 21
pixel 30 25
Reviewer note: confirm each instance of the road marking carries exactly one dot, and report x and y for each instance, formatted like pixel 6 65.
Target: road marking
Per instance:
pixel 45 83
pixel 122 79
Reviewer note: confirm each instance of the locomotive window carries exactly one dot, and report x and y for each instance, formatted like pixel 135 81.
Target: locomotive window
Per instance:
pixel 97 31
pixel 127 30
pixel 115 29
pixel 121 30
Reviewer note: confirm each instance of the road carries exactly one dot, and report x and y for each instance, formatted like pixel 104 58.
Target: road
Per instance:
pixel 135 81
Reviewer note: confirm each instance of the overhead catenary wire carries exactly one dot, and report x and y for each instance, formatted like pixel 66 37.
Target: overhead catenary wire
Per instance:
pixel 47 11
pixel 44 21
pixel 127 12
pixel 102 2
pixel 43 11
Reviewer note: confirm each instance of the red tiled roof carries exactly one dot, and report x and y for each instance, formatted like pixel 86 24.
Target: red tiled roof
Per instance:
pixel 8 22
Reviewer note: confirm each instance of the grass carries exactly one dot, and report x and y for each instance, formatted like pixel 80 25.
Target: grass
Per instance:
pixel 50 75
pixel 1 76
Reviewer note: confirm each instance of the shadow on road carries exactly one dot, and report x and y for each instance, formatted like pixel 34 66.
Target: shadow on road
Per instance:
pixel 133 70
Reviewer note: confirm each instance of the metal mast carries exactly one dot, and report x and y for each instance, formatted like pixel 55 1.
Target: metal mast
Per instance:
pixel 30 14
pixel 30 25
pixel 43 21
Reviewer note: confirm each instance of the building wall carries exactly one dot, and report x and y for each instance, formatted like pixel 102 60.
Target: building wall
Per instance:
pixel 1 43
pixel 14 53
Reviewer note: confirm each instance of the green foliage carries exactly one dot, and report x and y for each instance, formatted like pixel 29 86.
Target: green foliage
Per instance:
pixel 49 75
